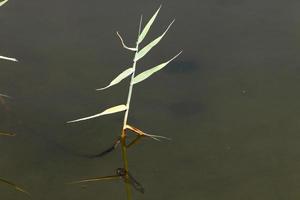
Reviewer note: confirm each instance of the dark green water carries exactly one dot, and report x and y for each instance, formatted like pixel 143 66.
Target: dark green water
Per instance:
pixel 230 102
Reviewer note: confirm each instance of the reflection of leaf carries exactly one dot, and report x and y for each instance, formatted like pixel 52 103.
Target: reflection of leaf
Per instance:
pixel 96 179
pixel 119 78
pixel 152 44
pixel 8 58
pixel 14 185
pixel 111 110
pixel 3 2
pixel 7 134
pixel 147 27
pixel 144 75
pixel 4 95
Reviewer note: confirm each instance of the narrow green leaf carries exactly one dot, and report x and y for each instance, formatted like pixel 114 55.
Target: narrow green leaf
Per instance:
pixel 3 2
pixel 144 75
pixel 14 185
pixel 8 58
pixel 148 47
pixel 119 78
pixel 147 27
pixel 111 110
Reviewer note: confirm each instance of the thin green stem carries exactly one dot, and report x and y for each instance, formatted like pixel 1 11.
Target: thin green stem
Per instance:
pixel 123 134
pixel 131 80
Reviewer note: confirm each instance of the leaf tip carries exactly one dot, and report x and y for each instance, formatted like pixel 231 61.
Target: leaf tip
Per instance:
pixel 160 6
pixel 175 56
pixel 72 121
pixel 99 89
pixel 180 52
pixel 169 25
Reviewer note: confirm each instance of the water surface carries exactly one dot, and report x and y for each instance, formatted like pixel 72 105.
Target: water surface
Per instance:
pixel 230 102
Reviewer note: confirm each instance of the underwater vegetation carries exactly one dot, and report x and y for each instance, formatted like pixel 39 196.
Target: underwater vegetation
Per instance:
pixel 123 173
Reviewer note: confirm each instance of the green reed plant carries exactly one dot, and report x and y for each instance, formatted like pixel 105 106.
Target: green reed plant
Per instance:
pixel 139 53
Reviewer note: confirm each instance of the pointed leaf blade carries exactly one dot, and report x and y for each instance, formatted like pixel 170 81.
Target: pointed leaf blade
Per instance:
pixel 111 110
pixel 3 2
pixel 8 58
pixel 144 75
pixel 147 27
pixel 119 78
pixel 152 44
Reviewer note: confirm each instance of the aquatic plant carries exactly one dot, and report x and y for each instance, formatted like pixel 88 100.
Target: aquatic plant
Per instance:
pixel 123 173
pixel 2 96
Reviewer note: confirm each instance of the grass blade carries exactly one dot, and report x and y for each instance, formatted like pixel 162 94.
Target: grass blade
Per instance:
pixel 148 47
pixel 8 58
pixel 3 2
pixel 111 110
pixel 147 27
pixel 15 186
pixel 144 75
pixel 119 78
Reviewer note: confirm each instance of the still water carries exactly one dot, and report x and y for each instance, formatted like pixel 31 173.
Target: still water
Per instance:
pixel 230 102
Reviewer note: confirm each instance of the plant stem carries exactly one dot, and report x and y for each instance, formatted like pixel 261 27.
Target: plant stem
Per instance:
pixel 123 134
pixel 125 161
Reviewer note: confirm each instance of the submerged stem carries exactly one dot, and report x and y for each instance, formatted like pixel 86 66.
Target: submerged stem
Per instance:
pixel 125 163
